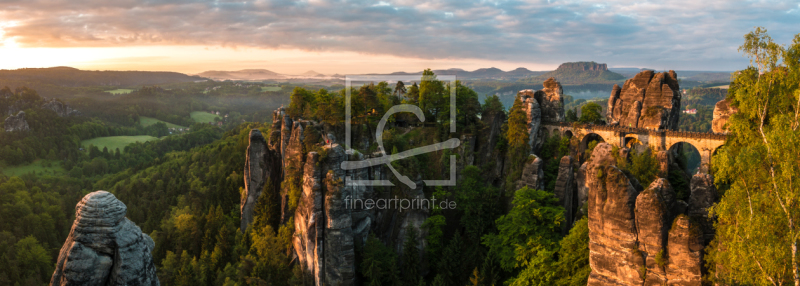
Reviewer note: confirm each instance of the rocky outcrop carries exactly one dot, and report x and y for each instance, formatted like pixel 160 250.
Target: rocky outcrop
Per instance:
pixel 565 191
pixel 652 223
pixel 533 112
pixel 703 196
pixel 532 174
pixel 104 247
pixel 613 253
pixel 635 237
pixel 648 100
pixel 17 123
pixel 551 100
pixel 685 251
pixel 59 108
pixel 262 171
pixel 327 219
pixel 722 111
pixel 488 155
pixel 583 66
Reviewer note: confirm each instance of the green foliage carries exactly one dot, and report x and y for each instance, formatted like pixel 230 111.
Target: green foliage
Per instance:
pixel 452 267
pixel 643 165
pixel 572 268
pixel 591 113
pixel 572 115
pixel 554 148
pixel 517 136
pixel 756 229
pixel 661 258
pixel 379 265
pixel 533 226
pixel 410 257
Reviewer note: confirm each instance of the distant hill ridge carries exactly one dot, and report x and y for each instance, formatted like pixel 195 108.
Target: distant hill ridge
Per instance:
pixel 583 66
pixel 579 73
pixel 68 76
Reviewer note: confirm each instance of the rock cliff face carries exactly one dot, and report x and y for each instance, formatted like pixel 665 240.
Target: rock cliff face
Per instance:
pixel 261 167
pixel 487 154
pixel 533 111
pixel 329 214
pixel 648 100
pixel 59 108
pixel 551 100
pixel 565 191
pixel 17 123
pixel 104 247
pixel 703 195
pixel 722 111
pixel 637 237
pixel 532 174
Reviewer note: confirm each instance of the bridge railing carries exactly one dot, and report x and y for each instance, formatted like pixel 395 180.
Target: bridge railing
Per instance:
pixel 634 130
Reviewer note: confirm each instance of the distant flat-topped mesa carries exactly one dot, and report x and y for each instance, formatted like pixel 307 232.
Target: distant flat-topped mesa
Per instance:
pixel 583 66
pixel 649 100
pixel 104 247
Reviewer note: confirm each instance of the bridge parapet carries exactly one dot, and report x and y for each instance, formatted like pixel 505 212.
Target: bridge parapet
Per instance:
pixel 631 130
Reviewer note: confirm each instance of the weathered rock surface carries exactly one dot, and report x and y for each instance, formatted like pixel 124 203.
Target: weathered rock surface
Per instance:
pixel 533 112
pixel 104 247
pixel 703 195
pixel 658 96
pixel 17 123
pixel 551 100
pixel 685 250
pixel 613 253
pixel 635 237
pixel 652 223
pixel 261 167
pixel 722 111
pixel 532 174
pixel 487 154
pixel 59 108
pixel 565 191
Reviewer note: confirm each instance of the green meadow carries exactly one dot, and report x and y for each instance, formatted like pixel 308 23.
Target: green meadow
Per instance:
pixel 120 91
pixel 203 117
pixel 113 142
pixel 147 121
pixel 39 166
pixel 270 88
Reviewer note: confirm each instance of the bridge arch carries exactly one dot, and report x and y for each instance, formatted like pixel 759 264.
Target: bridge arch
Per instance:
pixel 687 156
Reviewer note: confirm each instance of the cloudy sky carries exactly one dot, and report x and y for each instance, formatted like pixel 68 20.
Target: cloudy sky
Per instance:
pixel 367 36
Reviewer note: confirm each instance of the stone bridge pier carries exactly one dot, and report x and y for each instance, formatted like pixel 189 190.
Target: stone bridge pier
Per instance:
pixel 706 143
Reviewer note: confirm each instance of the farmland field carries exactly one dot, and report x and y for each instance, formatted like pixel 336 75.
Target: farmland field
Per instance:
pixel 38 166
pixel 270 88
pixel 113 142
pixel 203 117
pixel 120 91
pixel 147 121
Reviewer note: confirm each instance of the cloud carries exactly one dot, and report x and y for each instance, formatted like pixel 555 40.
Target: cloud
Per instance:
pixel 660 34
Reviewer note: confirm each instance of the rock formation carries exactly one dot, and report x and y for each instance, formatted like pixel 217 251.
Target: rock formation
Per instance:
pixel 685 252
pixel 532 174
pixel 104 247
pixel 487 154
pixel 613 253
pixel 583 66
pixel 261 167
pixel 722 111
pixel 565 191
pixel 59 108
pixel 648 100
pixel 703 195
pixel 17 123
pixel 652 223
pixel 533 112
pixel 633 238
pixel 327 220
pixel 551 100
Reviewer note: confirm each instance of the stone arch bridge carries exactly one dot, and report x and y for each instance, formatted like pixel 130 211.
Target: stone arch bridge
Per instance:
pixel 705 142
